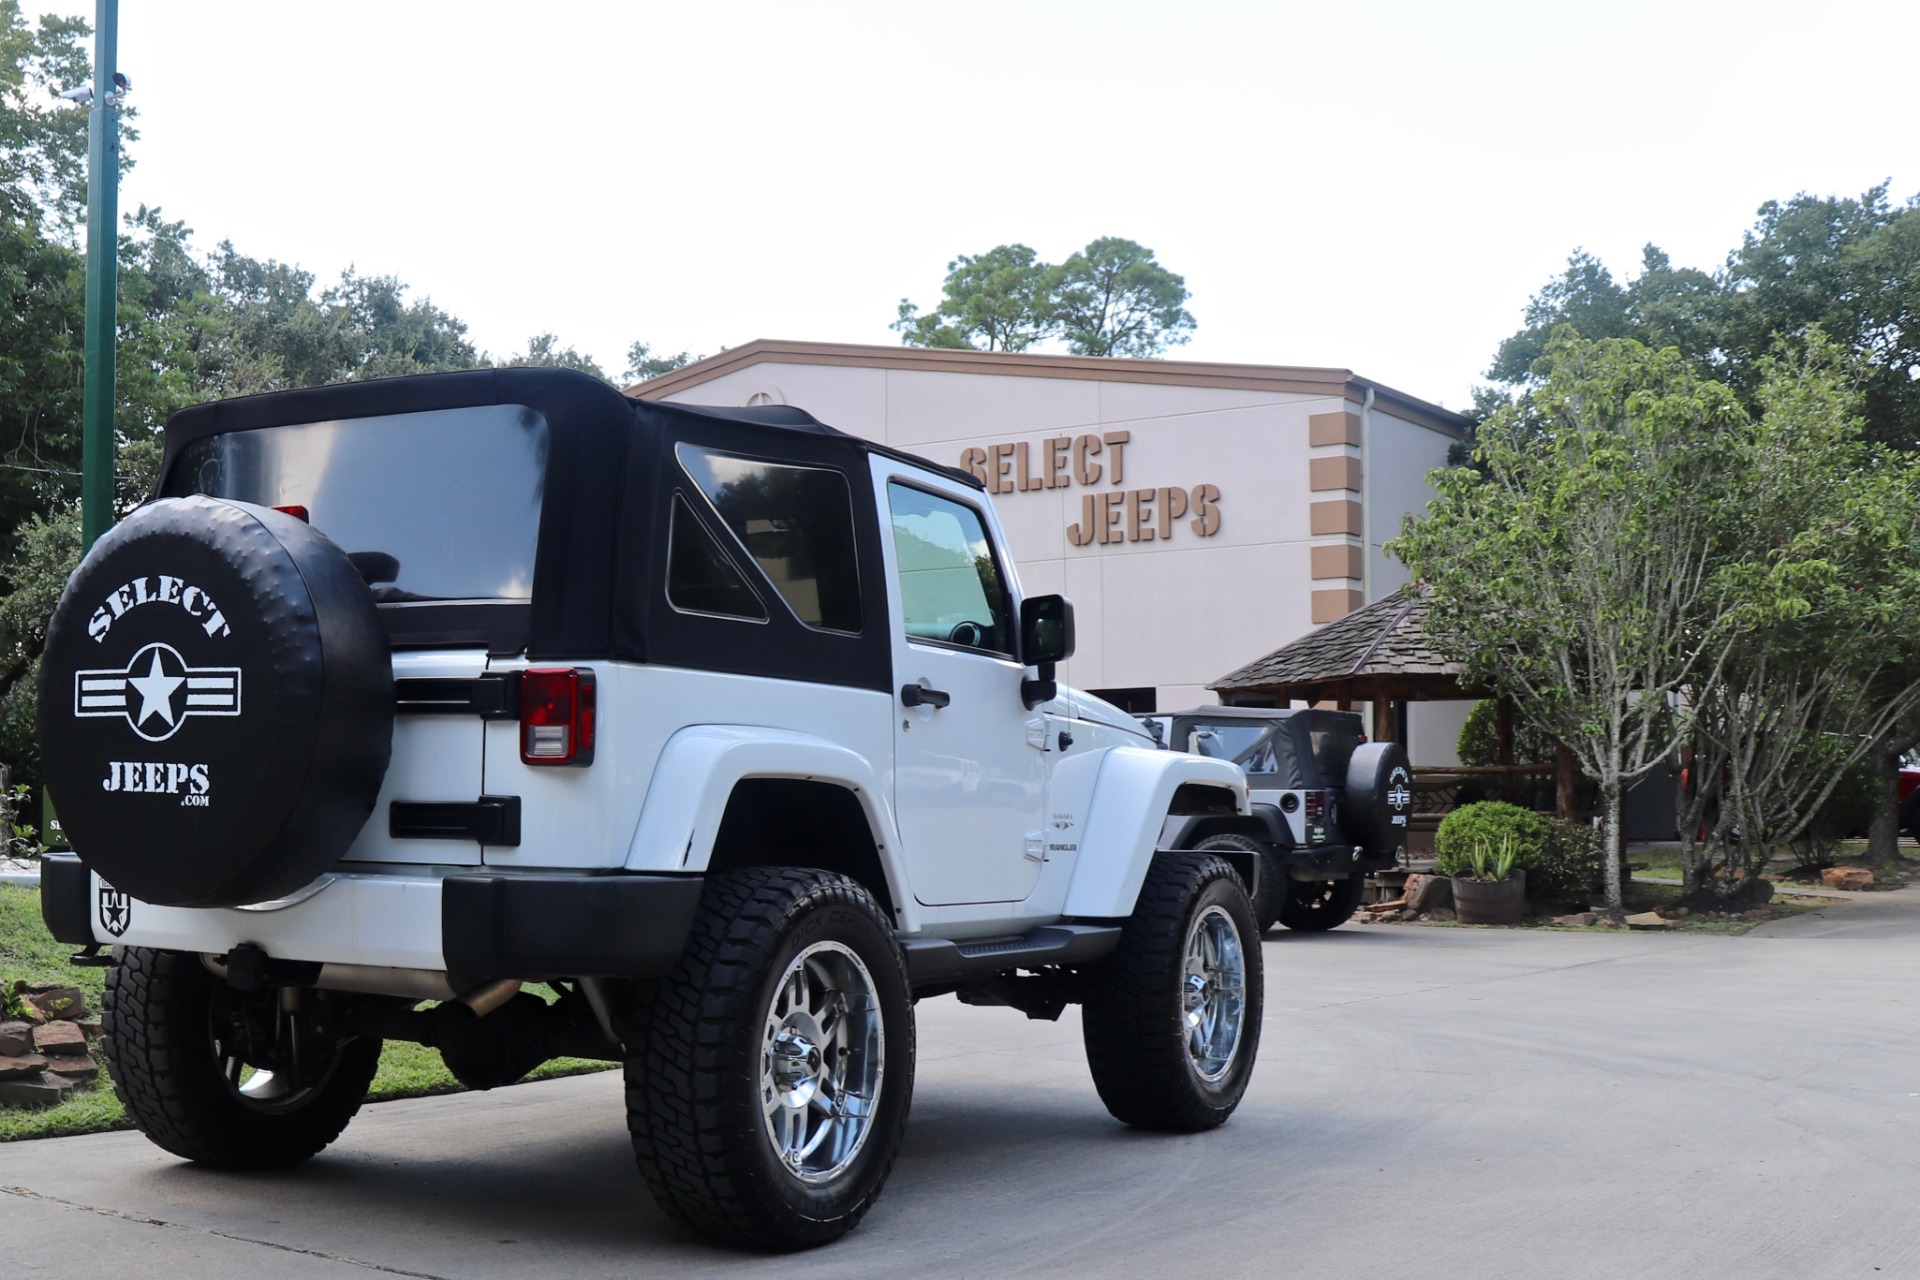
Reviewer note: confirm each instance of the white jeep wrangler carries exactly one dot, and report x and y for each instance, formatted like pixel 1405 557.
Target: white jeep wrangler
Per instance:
pixel 732 734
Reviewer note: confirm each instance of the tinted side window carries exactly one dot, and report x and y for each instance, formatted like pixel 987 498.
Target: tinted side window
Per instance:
pixel 950 585
pixel 797 525
pixel 700 578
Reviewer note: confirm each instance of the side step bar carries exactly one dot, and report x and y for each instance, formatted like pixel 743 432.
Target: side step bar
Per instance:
pixel 936 960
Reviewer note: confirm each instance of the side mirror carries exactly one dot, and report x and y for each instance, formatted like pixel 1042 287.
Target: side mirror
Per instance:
pixel 1046 637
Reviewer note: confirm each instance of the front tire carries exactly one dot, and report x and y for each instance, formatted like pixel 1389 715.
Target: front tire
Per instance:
pixel 1314 906
pixel 199 1066
pixel 1273 875
pixel 1172 1017
pixel 768 1102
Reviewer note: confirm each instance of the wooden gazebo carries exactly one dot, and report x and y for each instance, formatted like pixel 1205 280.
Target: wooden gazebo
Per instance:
pixel 1380 654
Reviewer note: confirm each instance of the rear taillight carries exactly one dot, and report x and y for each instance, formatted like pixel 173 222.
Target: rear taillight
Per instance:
pixel 1316 806
pixel 556 716
pixel 297 511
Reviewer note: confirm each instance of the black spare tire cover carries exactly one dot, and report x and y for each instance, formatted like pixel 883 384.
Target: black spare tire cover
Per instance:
pixel 216 704
pixel 1379 798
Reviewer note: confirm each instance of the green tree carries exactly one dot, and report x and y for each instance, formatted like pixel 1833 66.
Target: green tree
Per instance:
pixel 1822 566
pixel 1574 568
pixel 1001 300
pixel 643 364
pixel 43 141
pixel 1846 268
pixel 1114 299
pixel 545 352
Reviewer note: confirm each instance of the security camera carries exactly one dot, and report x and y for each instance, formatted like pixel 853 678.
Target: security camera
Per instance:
pixel 82 95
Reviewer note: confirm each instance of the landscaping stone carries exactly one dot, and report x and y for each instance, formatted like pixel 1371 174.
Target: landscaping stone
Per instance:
pixel 1648 920
pixel 1577 919
pixel 89 1025
pixel 59 1038
pixel 1847 878
pixel 73 1068
pixel 1428 893
pixel 1446 915
pixel 16 1038
pixel 63 1005
pixel 21 1066
pixel 1381 908
pixel 41 1091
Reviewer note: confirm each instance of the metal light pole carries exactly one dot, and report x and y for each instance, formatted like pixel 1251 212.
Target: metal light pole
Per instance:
pixel 103 254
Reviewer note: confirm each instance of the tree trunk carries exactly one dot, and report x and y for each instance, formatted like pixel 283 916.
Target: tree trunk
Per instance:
pixel 1883 835
pixel 1610 797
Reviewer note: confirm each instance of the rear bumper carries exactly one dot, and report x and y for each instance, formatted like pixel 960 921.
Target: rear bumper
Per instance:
pixel 486 926
pixel 1332 861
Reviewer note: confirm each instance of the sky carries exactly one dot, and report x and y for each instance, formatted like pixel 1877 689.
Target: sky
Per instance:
pixel 1377 185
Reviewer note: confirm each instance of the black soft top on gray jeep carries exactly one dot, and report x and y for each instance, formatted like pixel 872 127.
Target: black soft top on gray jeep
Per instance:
pixel 1280 750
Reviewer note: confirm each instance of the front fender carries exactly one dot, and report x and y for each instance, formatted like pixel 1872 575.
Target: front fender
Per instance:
pixel 1131 799
pixel 698 770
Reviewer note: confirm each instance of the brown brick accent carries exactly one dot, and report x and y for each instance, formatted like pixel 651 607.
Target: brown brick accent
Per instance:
pixel 1331 606
pixel 1333 428
pixel 1333 473
pixel 1341 515
pixel 1341 561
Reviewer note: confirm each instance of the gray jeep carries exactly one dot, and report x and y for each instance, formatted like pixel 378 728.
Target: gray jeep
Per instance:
pixel 1333 806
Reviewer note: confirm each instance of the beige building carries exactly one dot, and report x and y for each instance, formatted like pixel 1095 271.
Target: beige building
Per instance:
pixel 1198 515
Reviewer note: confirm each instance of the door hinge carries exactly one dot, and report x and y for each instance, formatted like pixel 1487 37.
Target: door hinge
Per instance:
pixel 1037 734
pixel 1036 846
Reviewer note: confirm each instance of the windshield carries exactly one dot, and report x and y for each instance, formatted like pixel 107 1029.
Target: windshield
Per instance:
pixel 443 505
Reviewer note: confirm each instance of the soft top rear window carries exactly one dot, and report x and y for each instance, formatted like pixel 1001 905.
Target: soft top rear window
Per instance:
pixel 435 506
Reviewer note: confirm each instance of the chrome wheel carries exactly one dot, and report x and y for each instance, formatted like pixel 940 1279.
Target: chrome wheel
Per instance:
pixel 246 1037
pixel 1214 993
pixel 821 1060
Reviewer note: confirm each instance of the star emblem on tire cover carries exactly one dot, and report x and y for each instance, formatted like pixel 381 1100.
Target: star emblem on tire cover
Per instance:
pixel 157 692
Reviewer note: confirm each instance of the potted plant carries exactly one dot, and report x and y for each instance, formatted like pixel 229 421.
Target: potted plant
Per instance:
pixel 1494 891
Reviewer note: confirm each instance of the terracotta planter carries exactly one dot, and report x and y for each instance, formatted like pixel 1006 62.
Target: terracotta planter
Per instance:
pixel 1490 901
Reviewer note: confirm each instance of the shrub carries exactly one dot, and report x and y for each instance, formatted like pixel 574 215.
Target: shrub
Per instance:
pixel 1573 867
pixel 1479 741
pixel 1490 823
pixel 1564 862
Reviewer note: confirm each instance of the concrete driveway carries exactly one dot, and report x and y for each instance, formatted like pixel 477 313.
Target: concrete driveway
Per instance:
pixel 1429 1102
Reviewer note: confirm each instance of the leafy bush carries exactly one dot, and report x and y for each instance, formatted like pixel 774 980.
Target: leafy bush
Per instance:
pixel 1573 867
pixel 1489 824
pixel 1564 862
pixel 1847 811
pixel 1479 742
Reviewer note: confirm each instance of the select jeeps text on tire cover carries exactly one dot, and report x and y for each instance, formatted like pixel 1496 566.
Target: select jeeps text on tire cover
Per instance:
pixel 1332 807
pixel 702 740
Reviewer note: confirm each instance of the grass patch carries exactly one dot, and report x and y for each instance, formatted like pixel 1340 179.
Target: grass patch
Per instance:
pixel 28 952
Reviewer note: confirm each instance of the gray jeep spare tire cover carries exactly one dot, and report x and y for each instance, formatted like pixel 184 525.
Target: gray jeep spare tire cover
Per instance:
pixel 216 704
pixel 1379 799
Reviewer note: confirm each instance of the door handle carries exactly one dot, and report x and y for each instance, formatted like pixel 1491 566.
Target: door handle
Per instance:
pixel 918 695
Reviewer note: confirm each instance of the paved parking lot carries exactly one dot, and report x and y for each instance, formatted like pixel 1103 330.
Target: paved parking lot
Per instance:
pixel 1429 1102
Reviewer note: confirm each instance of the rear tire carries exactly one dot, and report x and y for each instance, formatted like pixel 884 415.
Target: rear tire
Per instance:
pixel 768 1099
pixel 1172 1017
pixel 1314 906
pixel 191 1060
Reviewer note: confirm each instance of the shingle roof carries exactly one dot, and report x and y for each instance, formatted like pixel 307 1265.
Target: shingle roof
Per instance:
pixel 1385 638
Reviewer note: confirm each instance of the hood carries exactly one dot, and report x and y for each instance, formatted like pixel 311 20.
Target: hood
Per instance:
pixel 1082 705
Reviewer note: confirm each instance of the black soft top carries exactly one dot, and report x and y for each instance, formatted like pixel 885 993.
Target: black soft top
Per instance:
pixel 591 408
pixel 609 482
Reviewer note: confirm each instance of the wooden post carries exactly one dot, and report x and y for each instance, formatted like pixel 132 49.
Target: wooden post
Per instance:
pixel 1382 717
pixel 1563 776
